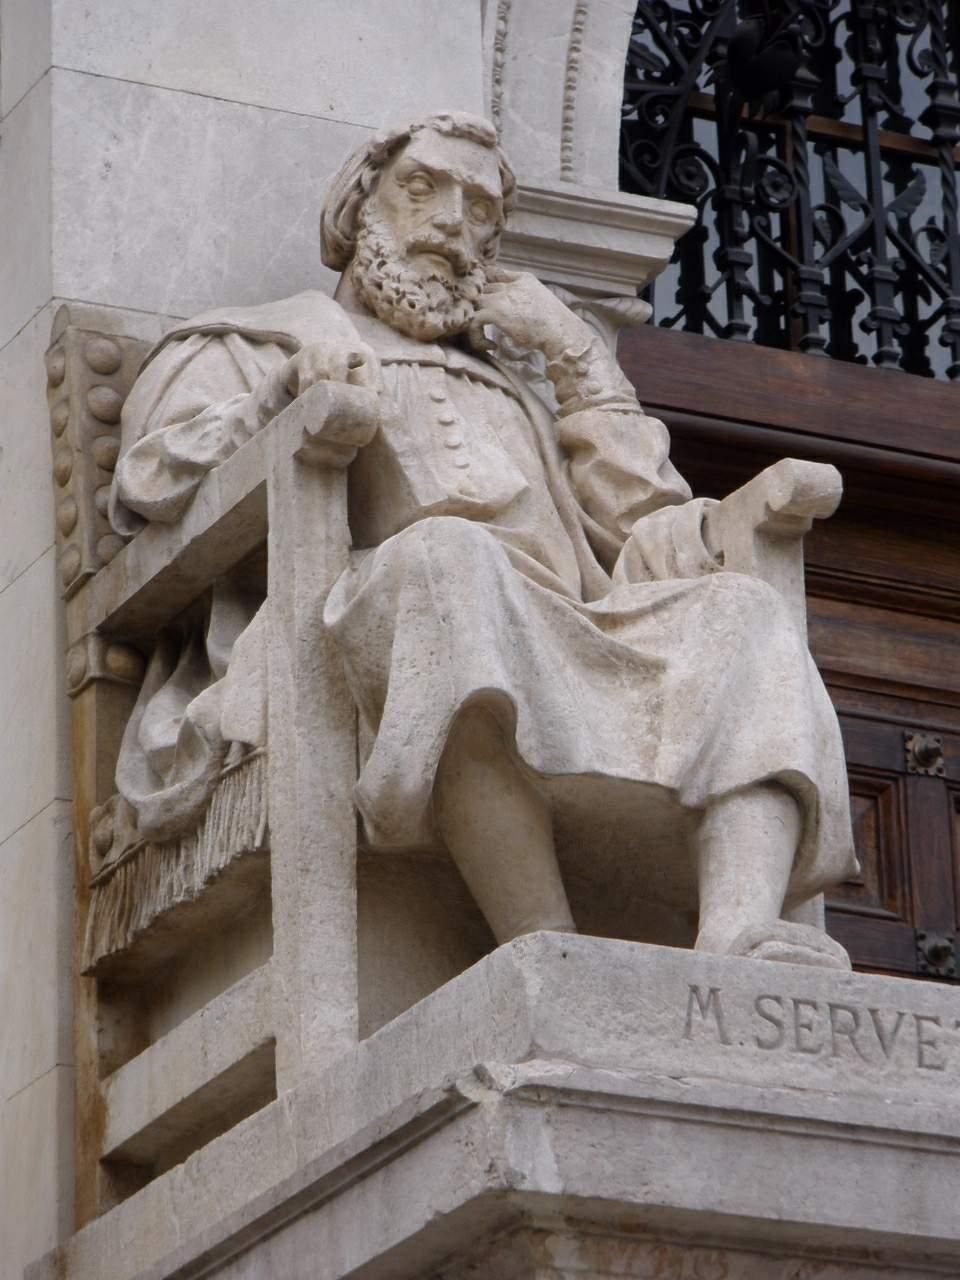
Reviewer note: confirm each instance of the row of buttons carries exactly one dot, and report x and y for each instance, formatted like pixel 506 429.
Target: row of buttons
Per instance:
pixel 447 418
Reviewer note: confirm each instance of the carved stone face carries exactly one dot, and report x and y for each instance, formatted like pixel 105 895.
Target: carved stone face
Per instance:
pixel 443 200
pixel 427 234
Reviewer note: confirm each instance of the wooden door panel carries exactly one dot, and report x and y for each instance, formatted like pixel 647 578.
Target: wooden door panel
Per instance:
pixel 882 890
pixel 871 914
pixel 876 946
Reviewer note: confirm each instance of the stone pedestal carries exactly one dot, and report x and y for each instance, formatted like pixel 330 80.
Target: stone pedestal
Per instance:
pixel 572 1106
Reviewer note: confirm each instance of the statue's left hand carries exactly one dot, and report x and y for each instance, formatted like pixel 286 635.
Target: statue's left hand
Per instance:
pixel 527 313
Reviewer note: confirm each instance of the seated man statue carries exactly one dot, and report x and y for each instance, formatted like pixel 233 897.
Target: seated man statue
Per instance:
pixel 533 596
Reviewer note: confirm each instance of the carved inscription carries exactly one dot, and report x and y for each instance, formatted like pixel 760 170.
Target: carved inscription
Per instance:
pixel 825 1029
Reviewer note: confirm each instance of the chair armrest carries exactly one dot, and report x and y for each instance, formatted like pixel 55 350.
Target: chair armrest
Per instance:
pixel 759 527
pixel 164 567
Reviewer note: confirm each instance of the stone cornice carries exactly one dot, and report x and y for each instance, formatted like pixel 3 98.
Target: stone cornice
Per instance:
pixel 599 243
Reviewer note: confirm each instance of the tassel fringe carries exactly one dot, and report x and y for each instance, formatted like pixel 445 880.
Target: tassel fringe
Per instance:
pixel 151 879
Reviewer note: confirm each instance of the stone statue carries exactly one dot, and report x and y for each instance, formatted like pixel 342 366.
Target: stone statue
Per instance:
pixel 535 601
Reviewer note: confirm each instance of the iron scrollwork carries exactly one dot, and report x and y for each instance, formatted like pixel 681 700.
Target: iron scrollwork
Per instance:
pixel 818 141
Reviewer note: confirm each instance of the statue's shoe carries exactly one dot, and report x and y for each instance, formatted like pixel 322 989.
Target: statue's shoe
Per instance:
pixel 790 944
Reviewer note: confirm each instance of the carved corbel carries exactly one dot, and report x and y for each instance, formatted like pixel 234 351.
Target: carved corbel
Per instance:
pixel 88 377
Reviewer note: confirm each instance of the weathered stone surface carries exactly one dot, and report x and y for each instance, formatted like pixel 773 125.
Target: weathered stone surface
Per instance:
pixel 26 496
pixel 837 1041
pixel 35 1169
pixel 554 76
pixel 34 743
pixel 209 1067
pixel 36 909
pixel 552 1252
pixel 25 54
pixel 303 58
pixel 25 187
pixel 787 1112
pixel 237 221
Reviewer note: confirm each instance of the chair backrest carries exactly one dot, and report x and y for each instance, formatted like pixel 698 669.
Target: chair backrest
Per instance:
pixel 199 933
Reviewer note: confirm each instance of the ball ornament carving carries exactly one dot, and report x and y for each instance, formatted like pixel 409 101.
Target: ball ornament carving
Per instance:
pixel 59 417
pixel 63 464
pixel 108 546
pixel 104 403
pixel 102 355
pixel 56 366
pixel 66 515
pixel 76 666
pixel 70 562
pixel 103 835
pixel 123 663
pixel 105 452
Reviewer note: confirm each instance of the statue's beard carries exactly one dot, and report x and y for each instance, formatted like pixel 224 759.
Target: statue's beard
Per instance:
pixel 419 302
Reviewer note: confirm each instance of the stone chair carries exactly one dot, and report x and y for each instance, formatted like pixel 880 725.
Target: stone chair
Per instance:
pixel 270 923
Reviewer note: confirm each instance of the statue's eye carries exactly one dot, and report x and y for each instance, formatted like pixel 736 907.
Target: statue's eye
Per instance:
pixel 480 210
pixel 420 185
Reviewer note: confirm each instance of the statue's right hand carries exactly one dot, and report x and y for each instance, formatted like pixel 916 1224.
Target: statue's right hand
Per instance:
pixel 334 361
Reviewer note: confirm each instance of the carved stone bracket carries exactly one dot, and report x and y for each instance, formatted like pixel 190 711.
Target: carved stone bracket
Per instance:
pixel 924 753
pixel 88 377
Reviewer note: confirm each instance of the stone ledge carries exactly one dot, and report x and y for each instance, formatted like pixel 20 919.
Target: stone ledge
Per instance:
pixel 599 243
pixel 188 1071
pixel 668 1092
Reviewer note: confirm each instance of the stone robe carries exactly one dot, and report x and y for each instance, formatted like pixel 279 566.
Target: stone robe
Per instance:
pixel 552 568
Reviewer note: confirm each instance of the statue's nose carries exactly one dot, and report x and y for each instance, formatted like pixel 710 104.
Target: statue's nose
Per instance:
pixel 449 217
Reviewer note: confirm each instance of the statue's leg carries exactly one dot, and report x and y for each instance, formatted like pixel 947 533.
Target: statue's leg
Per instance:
pixel 747 844
pixel 498 829
pixel 812 911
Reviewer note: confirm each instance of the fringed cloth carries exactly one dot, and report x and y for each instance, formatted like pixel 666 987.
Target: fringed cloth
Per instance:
pixel 148 879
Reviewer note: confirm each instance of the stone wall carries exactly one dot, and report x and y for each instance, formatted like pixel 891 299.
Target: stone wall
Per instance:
pixel 154 158
pixel 35 850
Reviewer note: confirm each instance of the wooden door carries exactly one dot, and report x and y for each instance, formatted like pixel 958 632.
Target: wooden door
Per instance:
pixel 883 585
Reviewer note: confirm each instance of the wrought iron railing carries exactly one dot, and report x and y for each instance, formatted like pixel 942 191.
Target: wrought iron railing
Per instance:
pixel 818 140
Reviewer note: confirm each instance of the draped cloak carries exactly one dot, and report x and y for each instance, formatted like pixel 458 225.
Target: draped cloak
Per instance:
pixel 552 567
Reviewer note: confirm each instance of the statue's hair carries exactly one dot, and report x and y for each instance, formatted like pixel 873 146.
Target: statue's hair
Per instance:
pixel 358 176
